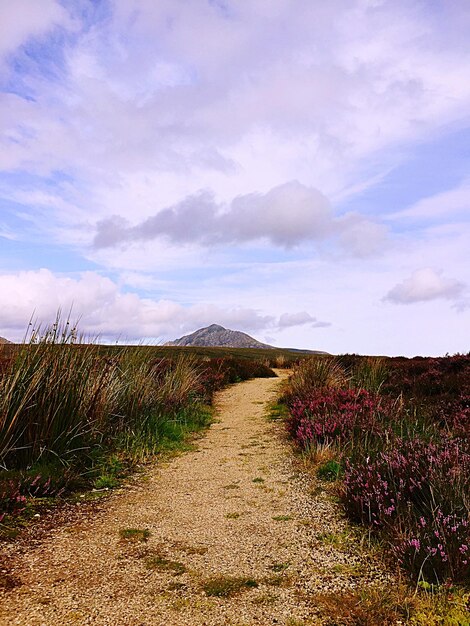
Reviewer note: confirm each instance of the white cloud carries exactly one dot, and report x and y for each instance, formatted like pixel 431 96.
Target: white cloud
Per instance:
pixel 286 216
pixel 267 98
pixel 425 285
pixel 288 320
pixel 105 310
pixel 24 19
pixel 445 205
pixel 143 115
pixel 360 236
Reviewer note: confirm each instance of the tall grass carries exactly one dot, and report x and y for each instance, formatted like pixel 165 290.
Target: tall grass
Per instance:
pixel 54 398
pixel 319 372
pixel 61 397
pixel 369 373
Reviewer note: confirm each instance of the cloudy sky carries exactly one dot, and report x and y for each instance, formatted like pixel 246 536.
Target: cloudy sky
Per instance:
pixel 297 169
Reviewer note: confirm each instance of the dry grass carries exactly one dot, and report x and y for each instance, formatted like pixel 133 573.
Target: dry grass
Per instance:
pixel 392 605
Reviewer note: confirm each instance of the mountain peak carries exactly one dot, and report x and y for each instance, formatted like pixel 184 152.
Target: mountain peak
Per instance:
pixel 213 327
pixel 218 336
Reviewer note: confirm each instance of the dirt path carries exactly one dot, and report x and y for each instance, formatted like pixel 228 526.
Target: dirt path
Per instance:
pixel 235 507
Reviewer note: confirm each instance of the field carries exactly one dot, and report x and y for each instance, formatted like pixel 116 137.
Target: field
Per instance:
pixel 271 357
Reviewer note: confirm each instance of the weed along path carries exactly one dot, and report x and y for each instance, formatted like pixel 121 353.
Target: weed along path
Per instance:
pixel 231 532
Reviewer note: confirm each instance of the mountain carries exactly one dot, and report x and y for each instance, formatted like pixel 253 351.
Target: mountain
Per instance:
pixel 3 340
pixel 218 336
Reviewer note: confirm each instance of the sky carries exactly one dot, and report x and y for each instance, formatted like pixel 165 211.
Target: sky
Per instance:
pixel 295 169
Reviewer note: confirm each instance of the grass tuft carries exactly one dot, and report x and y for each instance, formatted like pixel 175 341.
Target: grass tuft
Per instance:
pixel 157 562
pixel 329 471
pixel 134 535
pixel 279 567
pixel 225 586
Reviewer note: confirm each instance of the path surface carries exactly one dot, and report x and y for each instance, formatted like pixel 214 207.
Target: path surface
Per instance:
pixel 237 506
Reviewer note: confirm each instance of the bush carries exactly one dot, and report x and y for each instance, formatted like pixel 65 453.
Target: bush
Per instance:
pixel 12 501
pixel 331 415
pixel 437 548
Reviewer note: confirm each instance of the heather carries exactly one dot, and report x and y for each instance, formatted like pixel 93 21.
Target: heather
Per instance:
pixel 75 415
pixel 399 430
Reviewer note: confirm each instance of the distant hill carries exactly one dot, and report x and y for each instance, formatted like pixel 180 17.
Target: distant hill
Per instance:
pixel 215 336
pixel 3 340
pixel 218 336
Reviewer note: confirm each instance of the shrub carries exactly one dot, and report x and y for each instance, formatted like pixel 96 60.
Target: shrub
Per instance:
pixel 314 374
pixel 410 479
pixel 406 461
pixel 437 548
pixel 12 502
pixel 333 415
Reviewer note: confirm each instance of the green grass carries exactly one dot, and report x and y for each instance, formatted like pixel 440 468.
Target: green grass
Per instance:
pixel 134 535
pixel 329 471
pixel 278 412
pixel 277 580
pixel 251 354
pixel 355 570
pixel 157 562
pixel 225 586
pixel 339 540
pixel 62 399
pixel 279 567
pixel 105 481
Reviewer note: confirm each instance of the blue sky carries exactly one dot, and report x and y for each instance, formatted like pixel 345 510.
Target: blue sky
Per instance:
pixel 300 175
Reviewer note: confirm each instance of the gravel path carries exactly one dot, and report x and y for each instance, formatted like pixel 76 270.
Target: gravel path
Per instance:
pixel 238 509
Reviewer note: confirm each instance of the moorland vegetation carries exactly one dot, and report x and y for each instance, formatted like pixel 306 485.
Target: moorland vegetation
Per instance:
pixel 394 434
